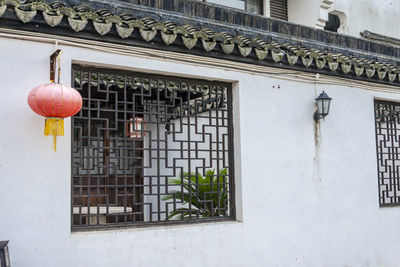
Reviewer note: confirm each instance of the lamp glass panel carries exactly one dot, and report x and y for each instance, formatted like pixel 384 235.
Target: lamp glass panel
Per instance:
pixel 320 106
pixel 325 106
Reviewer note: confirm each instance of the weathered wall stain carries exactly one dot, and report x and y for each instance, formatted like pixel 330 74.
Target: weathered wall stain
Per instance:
pixel 317 179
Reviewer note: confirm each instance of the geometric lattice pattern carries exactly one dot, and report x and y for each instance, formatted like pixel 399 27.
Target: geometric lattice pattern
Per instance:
pixel 387 115
pixel 150 149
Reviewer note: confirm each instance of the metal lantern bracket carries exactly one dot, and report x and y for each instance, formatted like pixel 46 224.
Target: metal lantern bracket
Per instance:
pixel 317 116
pixel 53 65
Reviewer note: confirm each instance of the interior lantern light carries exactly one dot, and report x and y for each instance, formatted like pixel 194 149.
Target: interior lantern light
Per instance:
pixel 135 128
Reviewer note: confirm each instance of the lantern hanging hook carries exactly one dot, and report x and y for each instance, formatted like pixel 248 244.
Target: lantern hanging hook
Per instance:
pixel 53 64
pixel 59 66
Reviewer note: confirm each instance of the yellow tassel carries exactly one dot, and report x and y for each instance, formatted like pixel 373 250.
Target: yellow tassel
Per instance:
pixel 54 127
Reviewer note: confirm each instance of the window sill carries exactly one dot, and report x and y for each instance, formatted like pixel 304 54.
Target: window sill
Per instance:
pixel 154 226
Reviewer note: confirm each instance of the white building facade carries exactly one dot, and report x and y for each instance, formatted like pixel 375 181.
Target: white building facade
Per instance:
pixel 305 193
pixel 355 16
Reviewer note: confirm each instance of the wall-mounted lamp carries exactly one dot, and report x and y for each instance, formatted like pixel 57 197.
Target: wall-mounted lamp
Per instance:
pixel 323 103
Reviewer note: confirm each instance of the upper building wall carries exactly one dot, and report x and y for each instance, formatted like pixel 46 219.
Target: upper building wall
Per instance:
pixel 356 16
pixel 376 16
pixel 200 28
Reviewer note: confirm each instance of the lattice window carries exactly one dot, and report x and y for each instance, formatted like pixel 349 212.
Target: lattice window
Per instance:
pixel 150 149
pixel 387 115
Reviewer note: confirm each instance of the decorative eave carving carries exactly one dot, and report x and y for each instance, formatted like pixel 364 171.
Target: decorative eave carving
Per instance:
pixel 281 53
pixel 380 38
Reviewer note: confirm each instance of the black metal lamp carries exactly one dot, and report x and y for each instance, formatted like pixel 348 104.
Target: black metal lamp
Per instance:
pixel 323 103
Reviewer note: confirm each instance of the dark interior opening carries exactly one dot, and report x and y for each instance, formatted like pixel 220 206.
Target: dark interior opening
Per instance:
pixel 333 23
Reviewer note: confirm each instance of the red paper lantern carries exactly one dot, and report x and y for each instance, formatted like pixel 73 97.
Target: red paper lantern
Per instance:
pixel 55 102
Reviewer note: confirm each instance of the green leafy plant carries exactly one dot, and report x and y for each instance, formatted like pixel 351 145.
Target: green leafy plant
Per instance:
pixel 207 195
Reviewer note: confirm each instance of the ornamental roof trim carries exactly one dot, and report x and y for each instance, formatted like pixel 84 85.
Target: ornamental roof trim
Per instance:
pixel 103 20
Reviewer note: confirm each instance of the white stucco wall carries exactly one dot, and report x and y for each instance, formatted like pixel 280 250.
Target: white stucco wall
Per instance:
pixel 303 204
pixel 378 16
pixel 298 8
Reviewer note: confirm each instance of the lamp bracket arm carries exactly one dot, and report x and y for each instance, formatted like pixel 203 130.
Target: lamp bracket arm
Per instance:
pixel 53 65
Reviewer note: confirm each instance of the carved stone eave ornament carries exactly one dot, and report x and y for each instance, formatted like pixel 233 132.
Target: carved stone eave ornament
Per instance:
pixel 358 70
pixel 25 16
pixel 227 48
pixel 320 63
pixel 346 68
pixel 392 76
pixel 333 64
pixel 102 28
pixel 292 59
pixel 382 74
pixel 255 48
pixel 307 61
pixel 208 45
pixel 2 10
pixel 261 53
pixel 189 42
pixel 277 56
pixel 244 50
pixel 124 32
pixel 52 20
pixel 77 24
pixel 345 64
pixel 168 38
pixel 147 35
pixel 370 72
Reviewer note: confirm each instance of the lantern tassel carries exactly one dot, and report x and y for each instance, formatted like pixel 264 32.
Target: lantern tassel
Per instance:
pixel 54 127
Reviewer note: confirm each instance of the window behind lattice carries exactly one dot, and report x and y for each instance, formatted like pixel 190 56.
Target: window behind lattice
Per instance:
pixel 150 149
pixel 254 6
